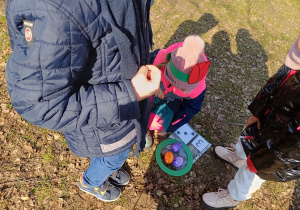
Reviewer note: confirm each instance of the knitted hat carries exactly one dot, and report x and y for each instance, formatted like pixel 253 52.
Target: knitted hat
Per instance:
pixel 186 67
pixel 293 57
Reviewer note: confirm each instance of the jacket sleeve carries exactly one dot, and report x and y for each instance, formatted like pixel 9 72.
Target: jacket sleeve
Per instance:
pixel 42 78
pixel 186 111
pixel 259 104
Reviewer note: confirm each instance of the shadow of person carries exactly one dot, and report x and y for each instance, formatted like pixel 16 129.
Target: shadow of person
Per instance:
pixel 232 82
pixel 203 25
pixel 295 204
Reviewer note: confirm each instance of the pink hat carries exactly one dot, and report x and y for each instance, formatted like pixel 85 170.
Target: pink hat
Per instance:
pixel 293 57
pixel 180 71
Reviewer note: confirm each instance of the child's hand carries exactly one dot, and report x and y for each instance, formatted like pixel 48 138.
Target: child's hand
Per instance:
pixel 252 119
pixel 159 94
pixel 146 81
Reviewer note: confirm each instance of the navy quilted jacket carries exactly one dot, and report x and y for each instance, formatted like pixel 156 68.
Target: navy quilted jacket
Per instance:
pixel 71 69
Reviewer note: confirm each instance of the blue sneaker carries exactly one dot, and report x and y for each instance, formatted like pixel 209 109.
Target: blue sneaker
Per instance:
pixel 119 177
pixel 106 192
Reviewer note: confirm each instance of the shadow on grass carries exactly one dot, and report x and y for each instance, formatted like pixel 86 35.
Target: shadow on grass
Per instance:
pixel 232 82
pixel 296 197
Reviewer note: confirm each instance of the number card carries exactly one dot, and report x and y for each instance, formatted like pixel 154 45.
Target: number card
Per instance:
pixel 200 143
pixel 186 133
pixel 195 142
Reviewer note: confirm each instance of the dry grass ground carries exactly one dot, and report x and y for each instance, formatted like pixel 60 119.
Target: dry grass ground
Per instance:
pixel 246 41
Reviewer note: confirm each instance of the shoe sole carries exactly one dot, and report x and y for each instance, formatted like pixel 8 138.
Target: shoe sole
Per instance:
pixel 98 197
pixel 210 207
pixel 225 161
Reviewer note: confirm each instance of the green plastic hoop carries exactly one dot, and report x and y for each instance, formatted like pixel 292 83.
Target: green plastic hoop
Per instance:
pixel 181 172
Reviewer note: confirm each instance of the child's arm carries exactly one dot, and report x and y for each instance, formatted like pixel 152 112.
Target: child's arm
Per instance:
pixel 252 119
pixel 159 94
pixel 259 105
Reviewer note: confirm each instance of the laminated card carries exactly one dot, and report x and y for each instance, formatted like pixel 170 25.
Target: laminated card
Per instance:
pixel 196 143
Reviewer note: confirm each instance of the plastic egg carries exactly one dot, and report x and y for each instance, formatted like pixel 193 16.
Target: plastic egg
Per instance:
pixel 177 162
pixel 169 157
pixel 176 147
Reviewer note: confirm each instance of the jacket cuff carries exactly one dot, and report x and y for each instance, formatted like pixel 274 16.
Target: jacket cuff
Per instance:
pixel 250 165
pixel 128 106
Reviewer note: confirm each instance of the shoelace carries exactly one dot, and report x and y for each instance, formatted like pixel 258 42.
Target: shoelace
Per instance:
pixel 222 193
pixel 232 155
pixel 103 187
pixel 116 175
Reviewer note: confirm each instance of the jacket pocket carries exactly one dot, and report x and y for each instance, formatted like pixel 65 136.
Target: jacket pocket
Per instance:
pixel 277 119
pixel 57 93
pixel 116 136
pixel 90 138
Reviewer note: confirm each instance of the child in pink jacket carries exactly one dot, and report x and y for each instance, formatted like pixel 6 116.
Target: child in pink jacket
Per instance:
pixel 183 68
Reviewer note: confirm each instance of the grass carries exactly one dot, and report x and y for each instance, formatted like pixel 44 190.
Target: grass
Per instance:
pixel 259 17
pixel 248 205
pixel 64 142
pixel 32 191
pixel 176 198
pixel 48 155
pixel 63 163
pixel 44 191
pixel 144 158
pixel 64 185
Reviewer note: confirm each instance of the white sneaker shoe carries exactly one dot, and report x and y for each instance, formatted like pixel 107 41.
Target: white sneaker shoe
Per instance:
pixel 149 141
pixel 228 155
pixel 219 200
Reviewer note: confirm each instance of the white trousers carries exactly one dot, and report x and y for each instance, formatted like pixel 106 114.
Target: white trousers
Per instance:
pixel 245 182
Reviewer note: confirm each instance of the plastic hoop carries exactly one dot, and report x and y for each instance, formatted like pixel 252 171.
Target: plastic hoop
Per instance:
pixel 181 172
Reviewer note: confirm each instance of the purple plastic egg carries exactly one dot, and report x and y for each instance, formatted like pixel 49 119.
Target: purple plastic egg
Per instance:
pixel 177 162
pixel 176 147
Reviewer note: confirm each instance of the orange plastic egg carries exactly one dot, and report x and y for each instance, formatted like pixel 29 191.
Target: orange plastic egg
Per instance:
pixel 169 157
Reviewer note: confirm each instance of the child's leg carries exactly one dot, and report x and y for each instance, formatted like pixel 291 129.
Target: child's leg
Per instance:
pixel 244 184
pixel 240 150
pixel 101 168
